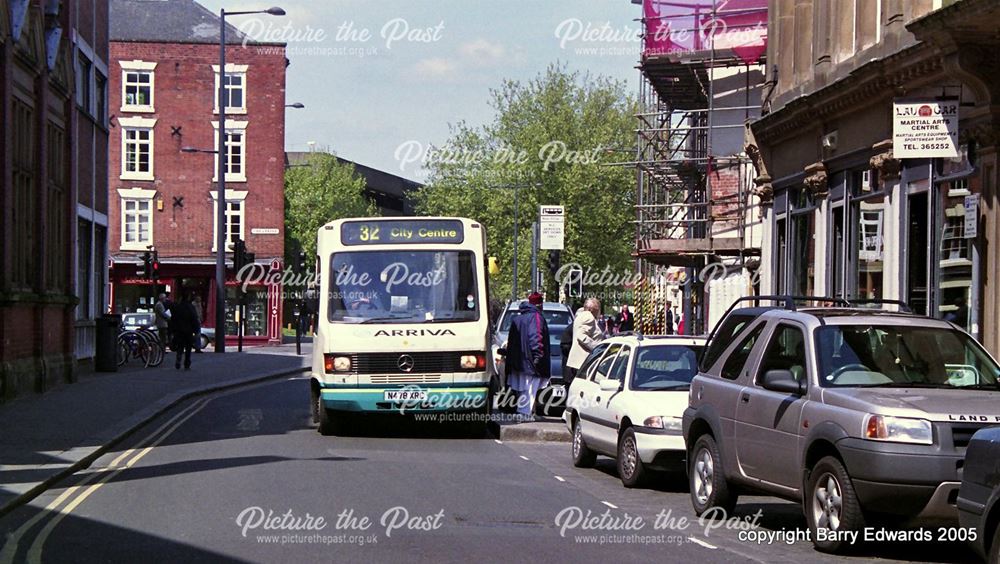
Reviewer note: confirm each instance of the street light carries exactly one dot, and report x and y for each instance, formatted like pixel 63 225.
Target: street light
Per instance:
pixel 220 151
pixel 296 105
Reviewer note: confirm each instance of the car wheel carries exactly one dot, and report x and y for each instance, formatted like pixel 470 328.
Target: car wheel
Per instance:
pixel 583 457
pixel 204 341
pixel 832 504
pixel 994 555
pixel 630 468
pixel 709 487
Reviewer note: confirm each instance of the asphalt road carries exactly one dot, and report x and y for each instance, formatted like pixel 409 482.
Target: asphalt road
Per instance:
pixel 244 476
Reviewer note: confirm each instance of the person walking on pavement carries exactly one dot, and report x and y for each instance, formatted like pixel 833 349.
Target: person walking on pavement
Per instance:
pixel 162 319
pixel 528 367
pixel 586 335
pixel 199 310
pixel 185 327
pixel 670 319
pixel 625 321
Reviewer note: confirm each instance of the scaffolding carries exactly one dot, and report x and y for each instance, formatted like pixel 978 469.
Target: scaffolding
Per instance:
pixel 700 86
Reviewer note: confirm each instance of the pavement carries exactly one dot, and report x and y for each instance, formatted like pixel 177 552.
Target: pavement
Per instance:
pixel 543 429
pixel 48 437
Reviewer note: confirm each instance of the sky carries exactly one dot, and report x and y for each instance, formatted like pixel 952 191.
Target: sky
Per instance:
pixel 383 80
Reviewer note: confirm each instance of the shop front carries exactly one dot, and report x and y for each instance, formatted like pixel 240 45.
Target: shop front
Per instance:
pixel 262 302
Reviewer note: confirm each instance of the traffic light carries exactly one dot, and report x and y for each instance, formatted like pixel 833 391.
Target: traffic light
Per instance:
pixel 492 266
pixel 146 268
pixel 300 263
pixel 239 254
pixel 554 261
pixel 154 270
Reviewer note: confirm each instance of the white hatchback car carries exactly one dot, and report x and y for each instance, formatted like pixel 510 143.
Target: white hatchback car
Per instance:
pixel 627 401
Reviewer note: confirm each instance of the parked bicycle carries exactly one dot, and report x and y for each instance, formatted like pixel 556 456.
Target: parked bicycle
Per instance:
pixel 143 344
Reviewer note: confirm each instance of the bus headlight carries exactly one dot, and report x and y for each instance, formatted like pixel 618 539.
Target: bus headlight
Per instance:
pixel 333 363
pixel 472 362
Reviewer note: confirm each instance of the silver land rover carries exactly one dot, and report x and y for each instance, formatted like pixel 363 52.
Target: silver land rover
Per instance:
pixel 862 415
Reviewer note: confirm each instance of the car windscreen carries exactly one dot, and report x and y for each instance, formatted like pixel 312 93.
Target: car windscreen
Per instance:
pixel 665 367
pixel 394 286
pixel 902 356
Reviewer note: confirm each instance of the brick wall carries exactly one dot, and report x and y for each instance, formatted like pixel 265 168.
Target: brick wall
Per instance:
pixel 184 96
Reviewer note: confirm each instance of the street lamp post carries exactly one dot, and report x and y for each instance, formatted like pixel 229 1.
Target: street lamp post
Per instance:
pixel 220 151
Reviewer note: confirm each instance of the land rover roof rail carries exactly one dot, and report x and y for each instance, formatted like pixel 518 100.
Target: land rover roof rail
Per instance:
pixel 903 306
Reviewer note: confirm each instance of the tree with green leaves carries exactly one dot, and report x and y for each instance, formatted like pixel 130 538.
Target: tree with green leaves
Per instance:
pixel 554 140
pixel 320 191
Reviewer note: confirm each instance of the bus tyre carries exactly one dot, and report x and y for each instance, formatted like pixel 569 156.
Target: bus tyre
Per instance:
pixel 327 423
pixel 832 504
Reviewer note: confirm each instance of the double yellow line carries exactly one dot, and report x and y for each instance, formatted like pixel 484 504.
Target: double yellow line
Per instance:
pixel 57 511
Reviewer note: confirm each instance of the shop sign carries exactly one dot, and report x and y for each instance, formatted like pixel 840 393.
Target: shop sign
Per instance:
pixel 925 129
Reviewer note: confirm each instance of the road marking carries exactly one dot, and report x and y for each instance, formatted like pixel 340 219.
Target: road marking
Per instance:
pixel 524 457
pixel 700 542
pixel 609 504
pixel 560 478
pixel 498 441
pixel 35 551
pixel 10 548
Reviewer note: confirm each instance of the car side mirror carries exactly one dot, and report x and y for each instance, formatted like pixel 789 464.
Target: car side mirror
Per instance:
pixel 783 381
pixel 502 351
pixel 609 385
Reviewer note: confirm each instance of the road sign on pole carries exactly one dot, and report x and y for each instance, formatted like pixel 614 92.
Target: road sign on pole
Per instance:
pixel 551 227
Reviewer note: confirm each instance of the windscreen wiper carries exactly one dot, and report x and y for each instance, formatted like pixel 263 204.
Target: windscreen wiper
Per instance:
pixel 390 318
pixel 906 385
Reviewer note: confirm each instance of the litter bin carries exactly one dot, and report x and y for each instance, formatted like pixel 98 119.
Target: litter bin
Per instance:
pixel 106 357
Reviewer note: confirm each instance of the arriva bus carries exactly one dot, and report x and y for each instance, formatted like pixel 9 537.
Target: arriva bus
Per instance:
pixel 403 319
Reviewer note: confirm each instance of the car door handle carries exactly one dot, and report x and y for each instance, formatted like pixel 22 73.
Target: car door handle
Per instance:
pixel 745 398
pixel 581 394
pixel 598 399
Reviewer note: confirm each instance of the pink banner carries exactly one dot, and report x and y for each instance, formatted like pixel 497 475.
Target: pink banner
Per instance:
pixel 676 27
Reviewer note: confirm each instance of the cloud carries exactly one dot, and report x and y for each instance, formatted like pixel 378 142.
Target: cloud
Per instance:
pixel 483 51
pixel 436 67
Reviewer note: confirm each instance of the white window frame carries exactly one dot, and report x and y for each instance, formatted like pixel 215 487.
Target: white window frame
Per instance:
pixel 231 69
pixel 232 196
pixel 136 195
pixel 232 127
pixel 137 66
pixel 133 124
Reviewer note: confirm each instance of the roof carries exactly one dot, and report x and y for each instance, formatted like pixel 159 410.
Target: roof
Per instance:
pixel 657 340
pixel 171 21
pixel 375 179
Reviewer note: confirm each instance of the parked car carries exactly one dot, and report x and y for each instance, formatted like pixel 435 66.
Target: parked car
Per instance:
pixel 138 319
pixel 854 412
pixel 627 401
pixel 558 316
pixel 979 496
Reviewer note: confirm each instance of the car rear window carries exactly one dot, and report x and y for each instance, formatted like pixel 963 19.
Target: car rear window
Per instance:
pixel 730 327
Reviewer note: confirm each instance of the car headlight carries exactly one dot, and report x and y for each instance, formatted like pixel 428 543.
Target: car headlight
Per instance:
pixel 899 429
pixel 665 422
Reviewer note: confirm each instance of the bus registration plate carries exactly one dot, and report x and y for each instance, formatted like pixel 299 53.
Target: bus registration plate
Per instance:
pixel 406 395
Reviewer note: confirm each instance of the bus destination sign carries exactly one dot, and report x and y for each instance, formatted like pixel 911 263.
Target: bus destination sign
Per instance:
pixel 390 232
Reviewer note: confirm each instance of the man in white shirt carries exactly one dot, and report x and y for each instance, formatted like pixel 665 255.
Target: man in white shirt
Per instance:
pixel 586 335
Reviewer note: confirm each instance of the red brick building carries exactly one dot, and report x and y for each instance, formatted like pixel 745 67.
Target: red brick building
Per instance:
pixel 164 80
pixel 53 206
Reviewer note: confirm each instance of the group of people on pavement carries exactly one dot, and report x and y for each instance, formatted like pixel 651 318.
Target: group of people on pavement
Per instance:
pixel 179 323
pixel 528 347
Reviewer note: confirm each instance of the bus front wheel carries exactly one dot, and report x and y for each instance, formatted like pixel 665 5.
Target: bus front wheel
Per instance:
pixel 327 423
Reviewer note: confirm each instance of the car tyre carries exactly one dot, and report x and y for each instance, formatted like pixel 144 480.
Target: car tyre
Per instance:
pixel 832 504
pixel 709 487
pixel 994 556
pixel 583 457
pixel 630 468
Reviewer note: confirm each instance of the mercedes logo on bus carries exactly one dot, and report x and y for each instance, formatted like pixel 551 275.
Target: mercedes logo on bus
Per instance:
pixel 405 363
